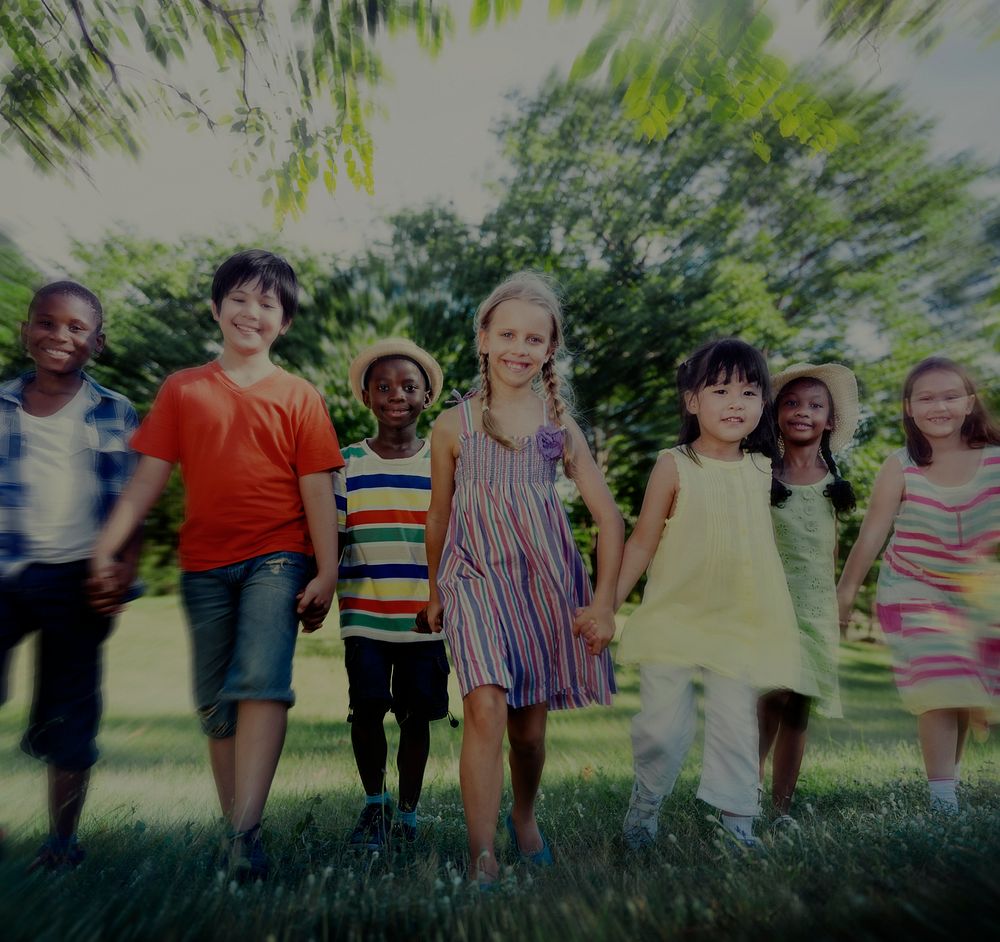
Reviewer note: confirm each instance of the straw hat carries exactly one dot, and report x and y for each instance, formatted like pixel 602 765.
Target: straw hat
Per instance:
pixel 395 347
pixel 843 391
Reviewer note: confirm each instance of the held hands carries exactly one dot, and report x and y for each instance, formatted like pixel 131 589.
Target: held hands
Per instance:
pixel 596 625
pixel 108 580
pixel 433 620
pixel 845 603
pixel 314 603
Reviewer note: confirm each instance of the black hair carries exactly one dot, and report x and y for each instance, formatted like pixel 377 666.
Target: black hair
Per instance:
pixel 255 266
pixel 839 490
pixel 719 361
pixel 393 356
pixel 72 289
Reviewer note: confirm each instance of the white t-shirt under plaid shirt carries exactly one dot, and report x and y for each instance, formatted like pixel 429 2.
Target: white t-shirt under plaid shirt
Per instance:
pixel 381 510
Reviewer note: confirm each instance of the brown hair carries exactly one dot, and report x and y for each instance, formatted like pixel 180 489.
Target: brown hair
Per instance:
pixel 979 428
pixel 536 289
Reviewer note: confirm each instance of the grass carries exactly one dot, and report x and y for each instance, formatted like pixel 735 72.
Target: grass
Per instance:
pixel 868 863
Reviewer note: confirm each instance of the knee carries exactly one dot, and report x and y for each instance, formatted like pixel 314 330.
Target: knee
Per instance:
pixel 527 743
pixel 485 711
pixel 368 712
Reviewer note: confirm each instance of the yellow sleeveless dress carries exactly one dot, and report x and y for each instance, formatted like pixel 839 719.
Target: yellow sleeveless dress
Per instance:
pixel 716 595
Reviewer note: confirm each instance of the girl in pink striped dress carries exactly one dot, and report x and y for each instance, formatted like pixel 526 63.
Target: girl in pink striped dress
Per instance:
pixel 506 578
pixel 941 497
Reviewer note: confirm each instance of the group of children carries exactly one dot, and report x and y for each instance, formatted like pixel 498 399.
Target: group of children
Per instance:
pixel 465 535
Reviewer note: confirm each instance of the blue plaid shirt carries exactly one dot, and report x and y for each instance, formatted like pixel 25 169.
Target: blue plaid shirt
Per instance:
pixel 110 419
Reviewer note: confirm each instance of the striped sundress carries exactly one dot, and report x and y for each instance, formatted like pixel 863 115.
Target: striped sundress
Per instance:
pixel 511 578
pixel 944 641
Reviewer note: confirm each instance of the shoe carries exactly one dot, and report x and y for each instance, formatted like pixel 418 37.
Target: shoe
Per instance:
pixel 58 854
pixel 402 834
pixel 539 858
pixel 641 821
pixel 785 824
pixel 372 830
pixel 247 859
pixel 745 843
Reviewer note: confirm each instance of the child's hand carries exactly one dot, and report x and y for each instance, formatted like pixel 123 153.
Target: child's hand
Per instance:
pixel 845 603
pixel 420 623
pixel 106 585
pixel 434 614
pixel 314 604
pixel 596 625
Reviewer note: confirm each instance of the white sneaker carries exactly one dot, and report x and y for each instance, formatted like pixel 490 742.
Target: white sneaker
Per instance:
pixel 641 820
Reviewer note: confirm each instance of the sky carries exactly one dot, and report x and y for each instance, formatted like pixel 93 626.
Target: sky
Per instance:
pixel 434 142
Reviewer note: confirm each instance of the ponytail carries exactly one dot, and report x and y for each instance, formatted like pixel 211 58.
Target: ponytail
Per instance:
pixel 840 491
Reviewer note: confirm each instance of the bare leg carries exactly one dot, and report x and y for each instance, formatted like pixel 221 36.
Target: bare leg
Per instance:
pixel 788 751
pixel 480 773
pixel 939 741
pixel 964 725
pixel 769 709
pixel 526 732
pixel 260 736
pixel 411 758
pixel 222 757
pixel 67 793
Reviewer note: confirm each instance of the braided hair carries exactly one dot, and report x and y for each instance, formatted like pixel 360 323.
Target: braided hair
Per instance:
pixel 536 289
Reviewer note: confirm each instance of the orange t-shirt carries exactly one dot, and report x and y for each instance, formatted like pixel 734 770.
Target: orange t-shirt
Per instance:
pixel 241 452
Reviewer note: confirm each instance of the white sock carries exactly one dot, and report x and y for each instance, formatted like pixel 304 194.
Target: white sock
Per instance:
pixel 943 797
pixel 740 825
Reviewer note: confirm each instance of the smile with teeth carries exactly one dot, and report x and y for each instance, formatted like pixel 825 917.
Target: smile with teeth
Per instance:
pixel 515 365
pixel 59 354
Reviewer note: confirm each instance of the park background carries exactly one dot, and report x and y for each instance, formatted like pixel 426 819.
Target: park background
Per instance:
pixel 818 179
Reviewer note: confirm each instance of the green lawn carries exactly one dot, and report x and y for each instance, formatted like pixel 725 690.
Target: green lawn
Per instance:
pixel 869 861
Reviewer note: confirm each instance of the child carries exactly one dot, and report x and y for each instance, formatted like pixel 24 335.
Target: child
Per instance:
pixel 505 574
pixel 255 446
pixel 940 495
pixel 817 412
pixel 382 497
pixel 716 600
pixel 65 459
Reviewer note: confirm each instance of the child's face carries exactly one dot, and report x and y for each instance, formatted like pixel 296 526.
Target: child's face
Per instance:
pixel 396 392
pixel 939 404
pixel 250 319
pixel 61 334
pixel 518 341
pixel 727 411
pixel 804 412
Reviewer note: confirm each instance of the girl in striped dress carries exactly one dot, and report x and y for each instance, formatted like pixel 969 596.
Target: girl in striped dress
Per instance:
pixel 506 578
pixel 941 497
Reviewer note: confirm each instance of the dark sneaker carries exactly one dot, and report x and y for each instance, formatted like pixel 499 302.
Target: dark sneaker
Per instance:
pixel 58 854
pixel 247 859
pixel 372 830
pixel 403 834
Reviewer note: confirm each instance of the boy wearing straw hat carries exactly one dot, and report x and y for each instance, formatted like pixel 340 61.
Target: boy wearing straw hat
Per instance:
pixel 393 662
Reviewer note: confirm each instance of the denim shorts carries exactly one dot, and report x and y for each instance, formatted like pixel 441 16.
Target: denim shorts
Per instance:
pixel 243 627
pixel 410 678
pixel 50 601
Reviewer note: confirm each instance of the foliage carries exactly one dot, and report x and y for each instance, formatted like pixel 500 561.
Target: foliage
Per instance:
pixel 869 862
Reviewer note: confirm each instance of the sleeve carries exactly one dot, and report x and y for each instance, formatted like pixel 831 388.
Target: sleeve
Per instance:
pixel 159 435
pixel 316 445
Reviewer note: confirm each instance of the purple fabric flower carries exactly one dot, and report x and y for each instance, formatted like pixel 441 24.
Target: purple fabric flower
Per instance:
pixel 549 439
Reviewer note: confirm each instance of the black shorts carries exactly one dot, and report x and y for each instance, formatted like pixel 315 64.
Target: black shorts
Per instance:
pixel 408 677
pixel 50 600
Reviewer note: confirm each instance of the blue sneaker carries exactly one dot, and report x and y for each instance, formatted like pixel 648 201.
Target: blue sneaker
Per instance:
pixel 539 858
pixel 58 854
pixel 372 830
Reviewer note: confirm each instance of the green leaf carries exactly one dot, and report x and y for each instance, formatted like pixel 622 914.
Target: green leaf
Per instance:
pixel 480 14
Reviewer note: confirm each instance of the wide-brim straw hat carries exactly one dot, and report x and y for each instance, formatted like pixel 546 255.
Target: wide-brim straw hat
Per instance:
pixel 843 391
pixel 395 347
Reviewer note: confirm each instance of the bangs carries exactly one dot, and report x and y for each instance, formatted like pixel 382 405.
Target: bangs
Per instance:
pixel 731 359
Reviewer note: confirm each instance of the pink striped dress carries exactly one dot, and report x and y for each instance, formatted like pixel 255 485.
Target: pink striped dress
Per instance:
pixel 945 643
pixel 511 578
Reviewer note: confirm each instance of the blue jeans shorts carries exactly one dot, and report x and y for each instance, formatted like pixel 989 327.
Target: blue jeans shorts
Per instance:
pixel 243 627
pixel 50 601
pixel 410 678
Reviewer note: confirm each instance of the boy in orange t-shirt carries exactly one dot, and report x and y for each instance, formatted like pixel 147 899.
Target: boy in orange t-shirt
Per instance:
pixel 255 446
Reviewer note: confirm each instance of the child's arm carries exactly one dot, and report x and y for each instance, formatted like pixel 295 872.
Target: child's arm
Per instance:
pixel 596 622
pixel 444 450
pixel 130 510
pixel 321 517
pixel 887 494
pixel 657 506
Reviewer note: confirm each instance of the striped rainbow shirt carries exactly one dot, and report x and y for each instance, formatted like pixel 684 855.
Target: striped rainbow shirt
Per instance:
pixel 381 508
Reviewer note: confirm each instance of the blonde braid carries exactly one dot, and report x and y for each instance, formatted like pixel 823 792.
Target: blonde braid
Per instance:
pixel 553 385
pixel 490 426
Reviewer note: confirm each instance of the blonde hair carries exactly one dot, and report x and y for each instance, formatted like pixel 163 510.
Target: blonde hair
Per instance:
pixel 532 288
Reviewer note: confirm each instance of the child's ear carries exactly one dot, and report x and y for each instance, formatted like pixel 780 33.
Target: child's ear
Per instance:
pixel 691 403
pixel 366 399
pixel 99 342
pixel 215 311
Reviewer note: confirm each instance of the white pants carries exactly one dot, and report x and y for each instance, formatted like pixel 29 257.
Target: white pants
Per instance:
pixel 663 730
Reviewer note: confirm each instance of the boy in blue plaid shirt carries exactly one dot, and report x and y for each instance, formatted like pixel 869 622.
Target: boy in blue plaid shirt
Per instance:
pixel 64 459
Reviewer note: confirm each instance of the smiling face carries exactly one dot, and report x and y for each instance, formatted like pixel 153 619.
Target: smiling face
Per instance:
pixel 939 403
pixel 61 334
pixel 804 411
pixel 251 319
pixel 396 392
pixel 518 341
pixel 727 411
